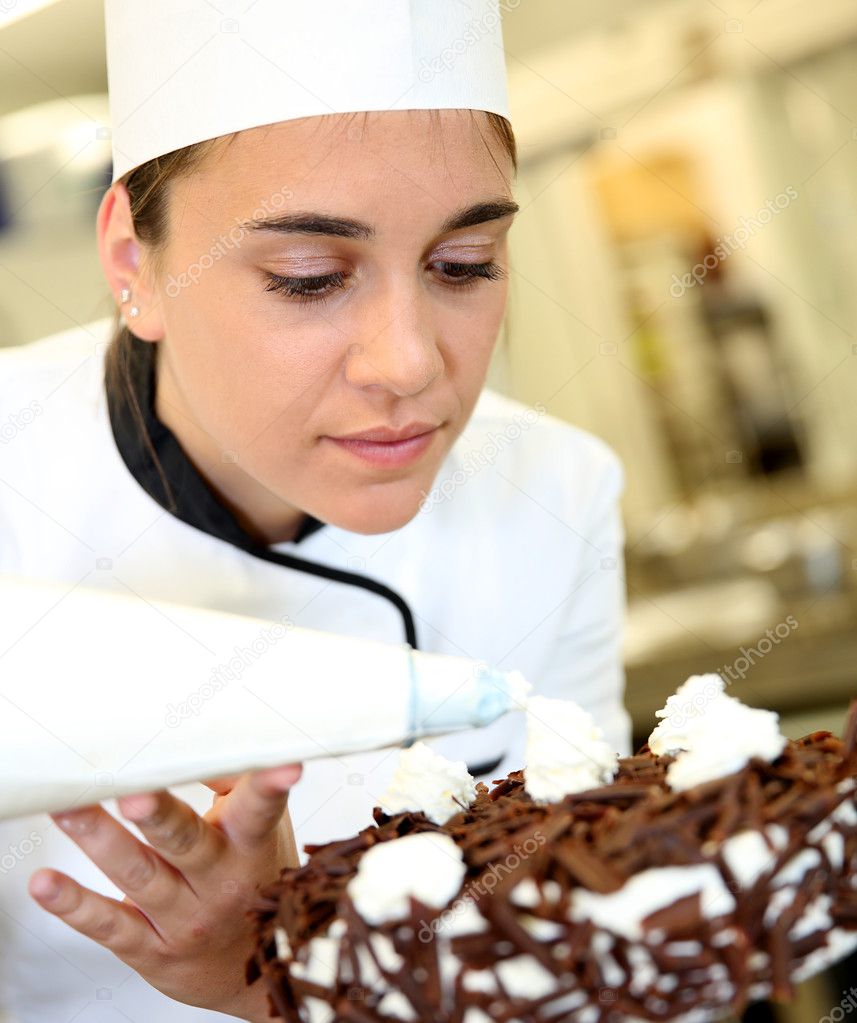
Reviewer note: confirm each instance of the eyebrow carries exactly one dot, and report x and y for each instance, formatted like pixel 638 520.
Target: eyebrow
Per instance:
pixel 346 227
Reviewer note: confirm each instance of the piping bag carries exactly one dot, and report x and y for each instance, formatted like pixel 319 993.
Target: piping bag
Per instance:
pixel 103 694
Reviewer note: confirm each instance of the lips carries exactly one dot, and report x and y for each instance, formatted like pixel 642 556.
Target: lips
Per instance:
pixel 388 435
pixel 383 447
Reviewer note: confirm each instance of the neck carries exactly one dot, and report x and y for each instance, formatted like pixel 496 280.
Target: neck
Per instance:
pixel 262 514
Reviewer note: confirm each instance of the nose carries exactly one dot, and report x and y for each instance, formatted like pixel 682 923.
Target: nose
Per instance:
pixel 394 347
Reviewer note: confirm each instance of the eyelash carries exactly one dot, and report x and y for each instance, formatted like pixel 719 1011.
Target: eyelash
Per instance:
pixel 317 289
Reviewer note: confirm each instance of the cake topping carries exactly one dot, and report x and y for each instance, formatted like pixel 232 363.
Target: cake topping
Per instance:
pixel 565 750
pixel 428 867
pixel 621 902
pixel 624 911
pixel 428 782
pixel 711 734
pixel 748 854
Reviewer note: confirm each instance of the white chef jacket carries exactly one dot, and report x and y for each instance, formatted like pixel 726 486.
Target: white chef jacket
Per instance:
pixel 515 559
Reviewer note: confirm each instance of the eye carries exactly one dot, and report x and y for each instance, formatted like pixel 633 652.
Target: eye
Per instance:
pixel 316 289
pixel 306 289
pixel 463 274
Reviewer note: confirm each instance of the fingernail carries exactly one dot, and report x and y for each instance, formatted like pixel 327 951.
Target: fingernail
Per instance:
pixel 138 808
pixel 285 776
pixel 44 887
pixel 72 824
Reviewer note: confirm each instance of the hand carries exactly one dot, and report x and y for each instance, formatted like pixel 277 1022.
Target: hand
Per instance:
pixel 182 924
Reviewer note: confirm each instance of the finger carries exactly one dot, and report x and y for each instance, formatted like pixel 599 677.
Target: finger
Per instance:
pixel 222 786
pixel 130 864
pixel 116 926
pixel 255 807
pixel 174 830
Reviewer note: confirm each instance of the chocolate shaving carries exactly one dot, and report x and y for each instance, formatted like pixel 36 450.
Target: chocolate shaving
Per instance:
pixel 704 958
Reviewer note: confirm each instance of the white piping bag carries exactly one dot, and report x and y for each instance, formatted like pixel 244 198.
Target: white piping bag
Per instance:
pixel 104 695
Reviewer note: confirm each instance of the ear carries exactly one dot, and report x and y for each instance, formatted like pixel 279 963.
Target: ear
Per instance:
pixel 121 255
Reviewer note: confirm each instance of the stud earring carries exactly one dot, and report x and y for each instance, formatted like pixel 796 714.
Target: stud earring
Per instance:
pixel 124 298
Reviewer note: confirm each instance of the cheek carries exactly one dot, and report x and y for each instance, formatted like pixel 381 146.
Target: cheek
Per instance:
pixel 247 375
pixel 471 341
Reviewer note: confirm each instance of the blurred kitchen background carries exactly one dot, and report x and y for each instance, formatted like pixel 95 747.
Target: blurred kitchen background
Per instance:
pixel 684 285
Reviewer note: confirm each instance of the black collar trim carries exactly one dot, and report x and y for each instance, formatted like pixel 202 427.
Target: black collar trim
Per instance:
pixel 179 487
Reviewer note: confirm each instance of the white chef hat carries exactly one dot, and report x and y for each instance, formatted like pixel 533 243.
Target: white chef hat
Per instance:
pixel 183 71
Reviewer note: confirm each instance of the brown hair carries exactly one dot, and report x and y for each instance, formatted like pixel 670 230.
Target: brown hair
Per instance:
pixel 148 189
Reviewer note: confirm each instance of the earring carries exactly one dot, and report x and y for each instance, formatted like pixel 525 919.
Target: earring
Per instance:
pixel 124 298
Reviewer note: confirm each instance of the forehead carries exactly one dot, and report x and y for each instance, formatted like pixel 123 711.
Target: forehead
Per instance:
pixel 372 162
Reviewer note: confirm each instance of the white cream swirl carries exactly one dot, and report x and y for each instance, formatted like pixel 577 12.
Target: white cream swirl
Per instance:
pixel 565 750
pixel 712 734
pixel 428 782
pixel 427 866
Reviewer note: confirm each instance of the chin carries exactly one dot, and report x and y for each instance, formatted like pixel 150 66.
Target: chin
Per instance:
pixel 375 512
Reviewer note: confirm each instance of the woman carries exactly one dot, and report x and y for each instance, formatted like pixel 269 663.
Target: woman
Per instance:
pixel 291 421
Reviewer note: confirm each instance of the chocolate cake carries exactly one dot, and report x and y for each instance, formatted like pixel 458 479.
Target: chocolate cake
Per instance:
pixel 633 900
